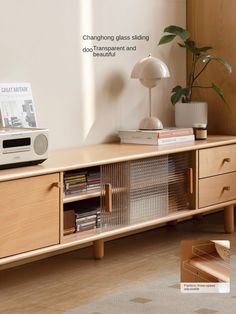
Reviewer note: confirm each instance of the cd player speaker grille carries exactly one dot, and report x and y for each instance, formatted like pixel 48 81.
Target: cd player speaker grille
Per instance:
pixel 40 144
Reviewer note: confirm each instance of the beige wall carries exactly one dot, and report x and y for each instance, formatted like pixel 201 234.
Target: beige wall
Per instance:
pixel 83 100
pixel 212 23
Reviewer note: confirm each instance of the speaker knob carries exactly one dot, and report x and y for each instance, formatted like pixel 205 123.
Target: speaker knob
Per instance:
pixel 40 144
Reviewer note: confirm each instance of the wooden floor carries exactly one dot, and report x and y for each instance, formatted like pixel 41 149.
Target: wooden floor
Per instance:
pixel 63 282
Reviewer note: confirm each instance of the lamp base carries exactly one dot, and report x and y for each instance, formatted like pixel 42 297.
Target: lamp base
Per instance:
pixel 150 123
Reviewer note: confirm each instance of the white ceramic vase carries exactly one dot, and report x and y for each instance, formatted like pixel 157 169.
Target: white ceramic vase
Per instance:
pixel 188 114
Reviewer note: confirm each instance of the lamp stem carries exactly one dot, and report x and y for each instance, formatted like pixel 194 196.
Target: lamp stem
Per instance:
pixel 150 103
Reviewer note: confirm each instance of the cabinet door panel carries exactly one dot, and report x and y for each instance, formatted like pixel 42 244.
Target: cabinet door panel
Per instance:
pixel 139 191
pixel 29 214
pixel 117 176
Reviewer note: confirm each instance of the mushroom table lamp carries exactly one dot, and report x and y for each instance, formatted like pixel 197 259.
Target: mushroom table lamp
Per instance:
pixel 149 71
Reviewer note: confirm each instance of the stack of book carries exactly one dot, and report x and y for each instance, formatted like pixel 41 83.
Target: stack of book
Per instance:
pixel 75 182
pixel 81 181
pixel 87 219
pixel 157 137
pixel 93 179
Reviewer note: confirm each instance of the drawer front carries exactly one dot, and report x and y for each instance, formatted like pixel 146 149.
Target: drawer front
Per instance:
pixel 217 160
pixel 217 189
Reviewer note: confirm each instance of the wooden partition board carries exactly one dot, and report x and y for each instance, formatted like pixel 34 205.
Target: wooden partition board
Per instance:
pixel 186 254
pixel 212 23
pixel 200 262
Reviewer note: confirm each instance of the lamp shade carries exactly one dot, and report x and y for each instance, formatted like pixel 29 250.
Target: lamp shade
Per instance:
pixel 149 70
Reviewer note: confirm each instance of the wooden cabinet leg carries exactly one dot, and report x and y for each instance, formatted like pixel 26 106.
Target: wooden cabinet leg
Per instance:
pixel 198 217
pixel 229 219
pixel 98 249
pixel 172 223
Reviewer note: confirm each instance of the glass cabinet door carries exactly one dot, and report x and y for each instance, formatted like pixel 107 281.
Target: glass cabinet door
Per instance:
pixel 137 191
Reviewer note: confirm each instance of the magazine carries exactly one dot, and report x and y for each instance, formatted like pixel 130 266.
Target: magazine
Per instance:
pixel 17 106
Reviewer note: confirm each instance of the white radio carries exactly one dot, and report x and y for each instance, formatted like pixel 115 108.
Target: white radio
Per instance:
pixel 22 147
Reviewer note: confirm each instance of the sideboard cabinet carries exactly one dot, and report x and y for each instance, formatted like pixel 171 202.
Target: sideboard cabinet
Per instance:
pixel 131 186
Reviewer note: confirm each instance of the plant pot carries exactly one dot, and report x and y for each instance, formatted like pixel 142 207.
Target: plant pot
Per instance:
pixel 187 114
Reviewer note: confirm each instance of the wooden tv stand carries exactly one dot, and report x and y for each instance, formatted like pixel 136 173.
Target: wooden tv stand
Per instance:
pixel 142 186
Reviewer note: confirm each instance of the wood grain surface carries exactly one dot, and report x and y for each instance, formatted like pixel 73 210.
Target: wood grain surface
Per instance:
pixel 212 23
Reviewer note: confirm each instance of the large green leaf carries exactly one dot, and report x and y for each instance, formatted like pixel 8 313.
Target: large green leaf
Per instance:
pixel 204 49
pixel 177 30
pixel 178 93
pixel 219 60
pixel 166 39
pixel 219 92
pixel 191 46
pixel 175 98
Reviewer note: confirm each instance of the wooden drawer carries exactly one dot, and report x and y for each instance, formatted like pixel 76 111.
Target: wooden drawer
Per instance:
pixel 217 189
pixel 29 214
pixel 217 160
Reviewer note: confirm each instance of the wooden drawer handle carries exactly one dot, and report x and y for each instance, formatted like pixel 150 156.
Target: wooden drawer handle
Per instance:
pixel 108 197
pixel 190 180
pixel 226 160
pixel 226 188
pixel 55 185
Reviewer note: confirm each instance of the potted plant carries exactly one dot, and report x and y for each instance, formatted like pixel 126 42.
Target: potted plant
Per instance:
pixel 187 112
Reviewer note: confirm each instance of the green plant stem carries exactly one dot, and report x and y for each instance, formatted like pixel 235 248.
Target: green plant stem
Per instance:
pixel 201 70
pixel 188 98
pixel 190 73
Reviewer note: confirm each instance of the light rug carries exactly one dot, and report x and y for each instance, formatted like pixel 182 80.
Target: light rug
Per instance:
pixel 163 296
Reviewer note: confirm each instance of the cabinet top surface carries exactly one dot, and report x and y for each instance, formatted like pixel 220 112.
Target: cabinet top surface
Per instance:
pixel 87 156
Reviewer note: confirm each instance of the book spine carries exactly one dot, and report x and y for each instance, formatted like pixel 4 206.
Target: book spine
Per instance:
pixel 162 141
pixel 139 141
pixel 174 133
pixel 177 139
pixel 86 214
pixel 138 135
pixel 86 218
pixel 150 135
pixel 86 224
